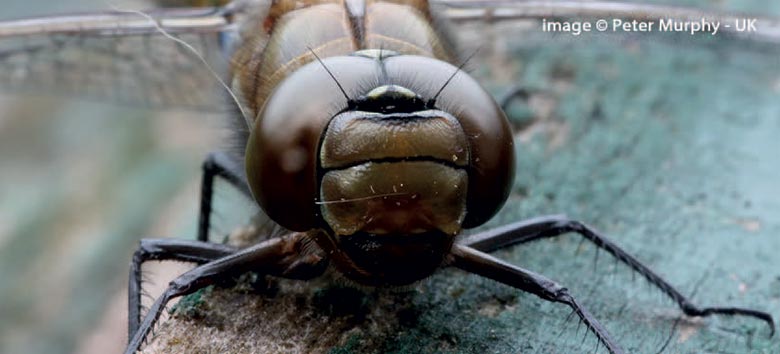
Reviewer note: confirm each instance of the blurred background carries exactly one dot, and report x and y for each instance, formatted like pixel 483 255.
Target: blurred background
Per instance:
pixel 82 181
pixel 672 148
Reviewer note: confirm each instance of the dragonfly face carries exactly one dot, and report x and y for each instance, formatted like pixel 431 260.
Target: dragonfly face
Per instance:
pixel 583 153
pixel 406 171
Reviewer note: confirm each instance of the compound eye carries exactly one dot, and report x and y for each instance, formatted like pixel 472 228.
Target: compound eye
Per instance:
pixel 492 168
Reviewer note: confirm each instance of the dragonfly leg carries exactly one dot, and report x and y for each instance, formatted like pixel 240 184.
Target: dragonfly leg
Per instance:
pixel 222 165
pixel 556 225
pixel 483 264
pixel 166 249
pixel 280 256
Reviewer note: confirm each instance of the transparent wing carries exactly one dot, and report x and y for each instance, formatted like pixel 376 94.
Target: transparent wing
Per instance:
pixel 158 58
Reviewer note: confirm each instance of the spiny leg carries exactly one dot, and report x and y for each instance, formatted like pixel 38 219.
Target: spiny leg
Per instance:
pixel 483 264
pixel 160 250
pixel 556 225
pixel 278 256
pixel 222 165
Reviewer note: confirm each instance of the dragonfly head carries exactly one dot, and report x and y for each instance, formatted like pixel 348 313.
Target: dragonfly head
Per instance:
pixel 393 153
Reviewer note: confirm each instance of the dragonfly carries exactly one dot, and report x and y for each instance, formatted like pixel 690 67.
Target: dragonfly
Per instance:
pixel 214 31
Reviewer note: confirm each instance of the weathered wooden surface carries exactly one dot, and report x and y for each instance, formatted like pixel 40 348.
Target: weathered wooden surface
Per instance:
pixel 671 150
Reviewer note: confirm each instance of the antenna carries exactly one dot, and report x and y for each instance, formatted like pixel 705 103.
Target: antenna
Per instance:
pixel 432 101
pixel 331 75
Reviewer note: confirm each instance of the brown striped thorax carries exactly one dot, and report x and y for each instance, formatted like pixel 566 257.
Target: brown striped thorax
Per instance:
pixel 386 172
